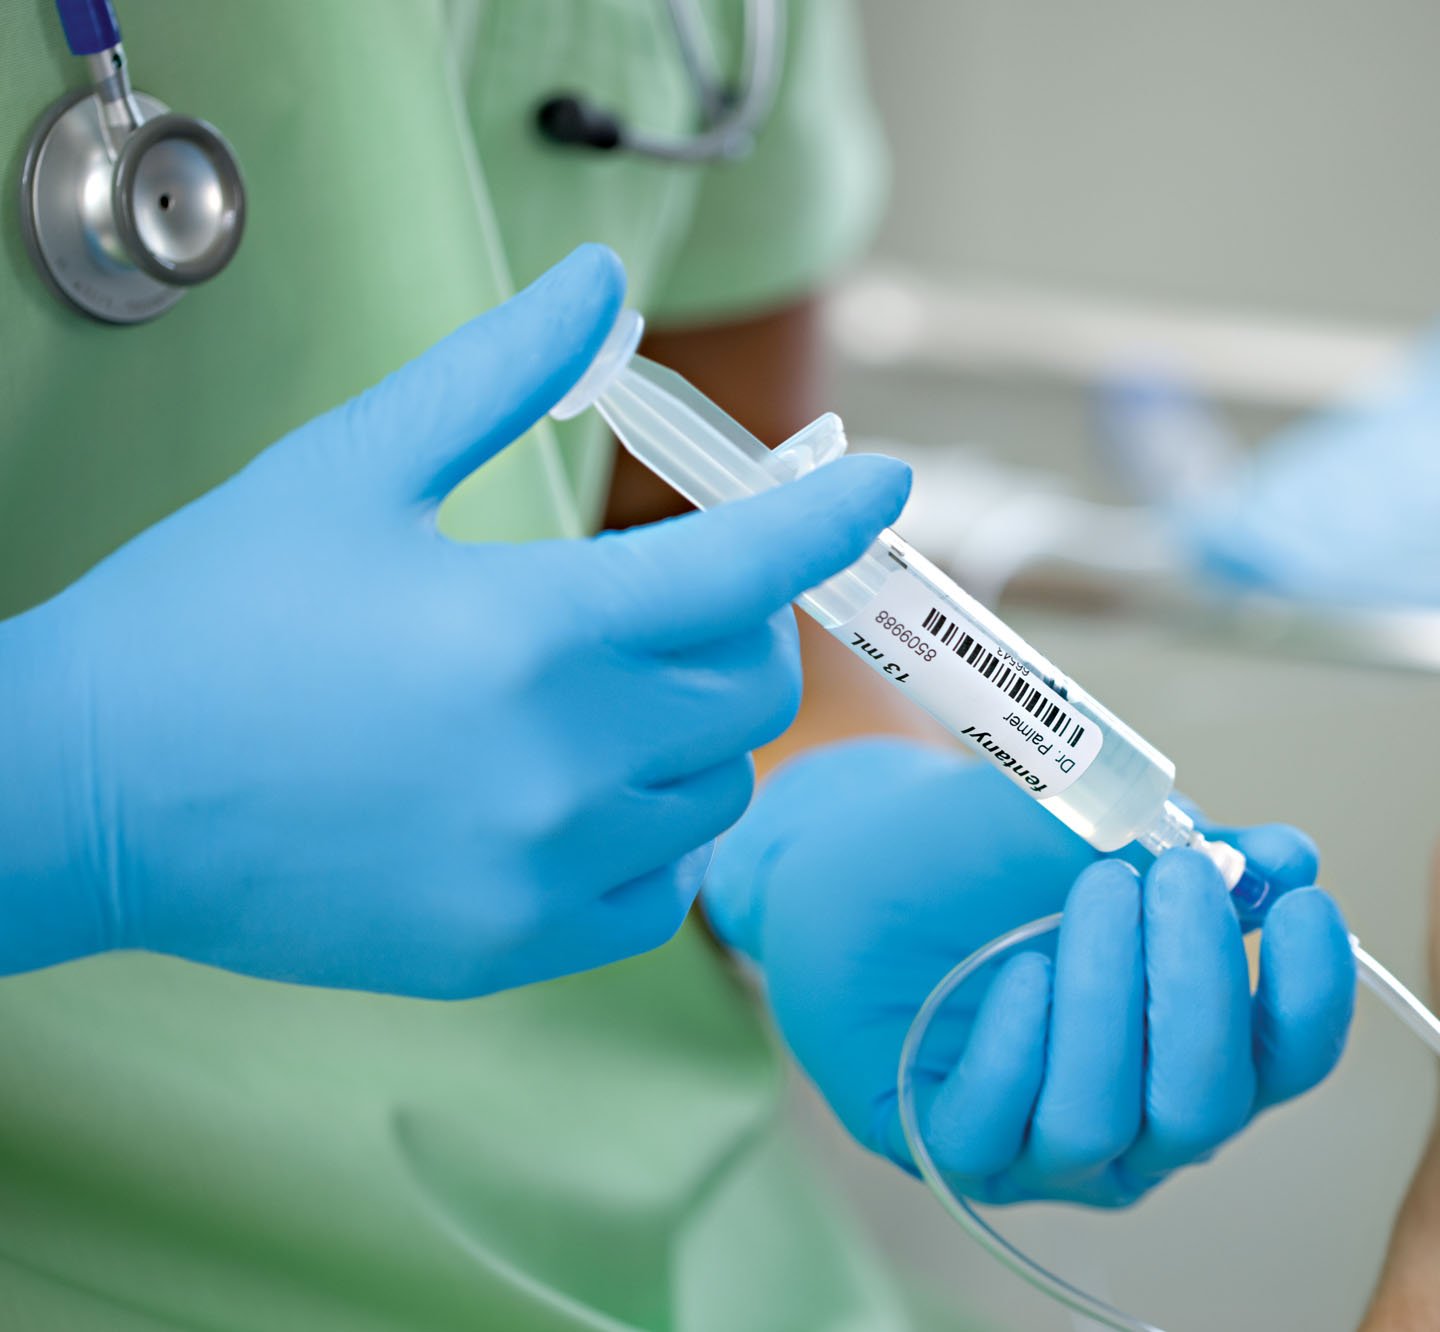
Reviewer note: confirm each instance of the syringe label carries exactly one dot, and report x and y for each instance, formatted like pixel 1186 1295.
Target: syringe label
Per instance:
pixel 1003 673
pixel 980 692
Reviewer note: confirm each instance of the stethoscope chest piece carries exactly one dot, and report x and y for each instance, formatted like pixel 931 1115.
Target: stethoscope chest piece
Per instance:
pixel 121 220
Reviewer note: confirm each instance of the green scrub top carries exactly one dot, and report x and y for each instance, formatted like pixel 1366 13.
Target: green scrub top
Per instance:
pixel 181 1148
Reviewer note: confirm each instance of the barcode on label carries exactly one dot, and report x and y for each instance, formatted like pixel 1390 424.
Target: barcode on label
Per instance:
pixel 1015 685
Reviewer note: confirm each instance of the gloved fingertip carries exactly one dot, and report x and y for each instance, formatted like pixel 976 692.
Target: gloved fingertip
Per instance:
pixel 1184 874
pixel 1309 920
pixel 1109 879
pixel 590 267
pixel 1187 906
pixel 425 427
pixel 874 487
pixel 1023 985
pixel 1285 856
pixel 1102 910
pixel 1306 996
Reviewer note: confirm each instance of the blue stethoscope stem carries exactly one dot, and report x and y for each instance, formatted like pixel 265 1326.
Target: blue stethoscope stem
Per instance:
pixel 90 26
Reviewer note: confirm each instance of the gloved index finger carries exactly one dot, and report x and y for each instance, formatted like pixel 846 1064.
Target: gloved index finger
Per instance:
pixel 420 431
pixel 1282 855
pixel 713 575
pixel 1306 996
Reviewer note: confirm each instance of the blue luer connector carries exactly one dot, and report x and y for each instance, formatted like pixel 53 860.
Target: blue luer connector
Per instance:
pixel 1250 892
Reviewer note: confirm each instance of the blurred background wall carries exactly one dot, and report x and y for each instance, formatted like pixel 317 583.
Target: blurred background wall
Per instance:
pixel 1243 188
pixel 1266 155
pixel 1247 190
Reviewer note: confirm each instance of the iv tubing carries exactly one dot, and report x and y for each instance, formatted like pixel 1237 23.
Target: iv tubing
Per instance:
pixel 1391 992
pixel 1383 984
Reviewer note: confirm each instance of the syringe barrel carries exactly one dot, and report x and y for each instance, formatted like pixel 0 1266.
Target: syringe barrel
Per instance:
pixel 912 623
pixel 915 626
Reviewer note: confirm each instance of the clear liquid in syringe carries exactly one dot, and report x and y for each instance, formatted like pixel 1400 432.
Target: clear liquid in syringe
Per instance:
pixel 987 686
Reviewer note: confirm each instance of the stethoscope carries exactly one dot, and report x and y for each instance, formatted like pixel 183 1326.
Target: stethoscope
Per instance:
pixel 125 205
pixel 731 115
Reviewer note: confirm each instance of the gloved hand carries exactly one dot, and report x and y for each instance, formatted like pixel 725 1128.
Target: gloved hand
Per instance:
pixel 293 731
pixel 1342 508
pixel 863 873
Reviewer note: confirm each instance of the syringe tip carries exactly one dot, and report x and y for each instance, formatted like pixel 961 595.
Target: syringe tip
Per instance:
pixel 1248 890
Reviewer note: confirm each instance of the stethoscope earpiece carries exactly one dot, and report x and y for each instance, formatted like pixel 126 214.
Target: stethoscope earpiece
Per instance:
pixel 124 204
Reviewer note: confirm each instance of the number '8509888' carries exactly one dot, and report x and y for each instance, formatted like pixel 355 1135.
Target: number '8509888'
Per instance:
pixel 909 637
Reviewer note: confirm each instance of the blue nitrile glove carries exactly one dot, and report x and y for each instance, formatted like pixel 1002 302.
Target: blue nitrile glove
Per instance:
pixel 295 732
pixel 1342 508
pixel 864 872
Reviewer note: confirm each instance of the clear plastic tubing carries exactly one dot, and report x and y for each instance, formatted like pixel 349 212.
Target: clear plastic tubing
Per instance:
pixel 914 625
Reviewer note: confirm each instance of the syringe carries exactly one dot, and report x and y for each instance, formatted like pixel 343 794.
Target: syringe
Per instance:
pixel 914 625
pixel 918 628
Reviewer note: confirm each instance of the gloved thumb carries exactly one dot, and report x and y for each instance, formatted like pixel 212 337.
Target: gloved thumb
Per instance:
pixel 420 431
